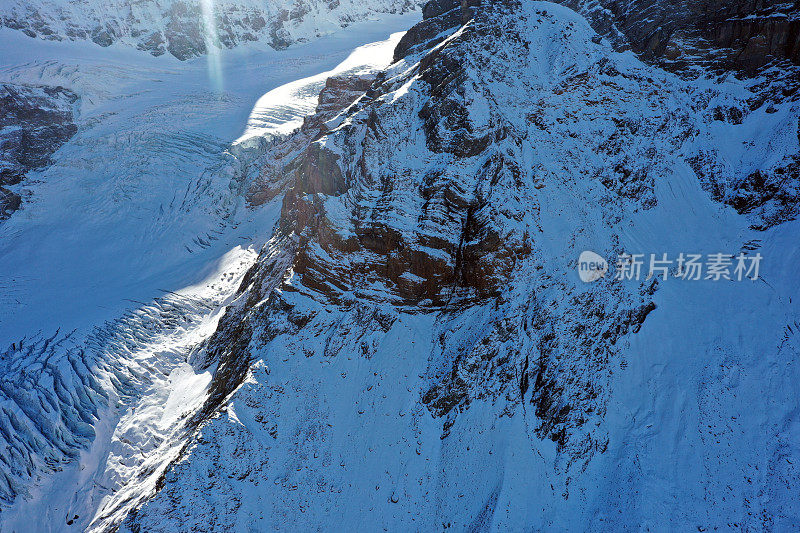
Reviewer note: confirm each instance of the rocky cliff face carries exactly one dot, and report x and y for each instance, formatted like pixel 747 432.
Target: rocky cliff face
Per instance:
pixel 743 34
pixel 187 29
pixel 413 340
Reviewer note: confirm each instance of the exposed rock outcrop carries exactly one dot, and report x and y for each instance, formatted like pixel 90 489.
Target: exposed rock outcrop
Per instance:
pixel 34 122
pixel 279 168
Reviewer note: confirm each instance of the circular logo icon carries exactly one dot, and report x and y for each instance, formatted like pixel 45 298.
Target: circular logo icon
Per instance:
pixel 591 266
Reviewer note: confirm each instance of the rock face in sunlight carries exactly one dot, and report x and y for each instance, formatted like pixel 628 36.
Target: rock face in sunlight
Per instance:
pixel 148 185
pixel 408 345
pixel 186 29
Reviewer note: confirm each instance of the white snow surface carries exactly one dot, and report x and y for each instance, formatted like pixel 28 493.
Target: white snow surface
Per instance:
pixel 281 110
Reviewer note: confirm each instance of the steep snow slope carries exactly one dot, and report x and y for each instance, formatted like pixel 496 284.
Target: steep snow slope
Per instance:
pixel 414 349
pixel 187 29
pixel 144 204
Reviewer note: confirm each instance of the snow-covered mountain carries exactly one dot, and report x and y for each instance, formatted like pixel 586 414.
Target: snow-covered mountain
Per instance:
pixel 188 28
pixel 373 316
